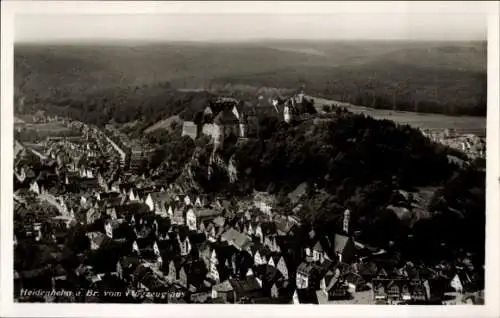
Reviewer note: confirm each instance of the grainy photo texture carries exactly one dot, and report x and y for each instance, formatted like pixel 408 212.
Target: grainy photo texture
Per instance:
pixel 250 159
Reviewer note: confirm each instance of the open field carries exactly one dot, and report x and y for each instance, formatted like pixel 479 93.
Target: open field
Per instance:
pixel 21 119
pixel 50 129
pixel 40 131
pixel 461 124
pixel 18 120
pixel 164 124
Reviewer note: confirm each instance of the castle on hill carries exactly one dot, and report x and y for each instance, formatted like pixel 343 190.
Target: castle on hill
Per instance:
pixel 225 116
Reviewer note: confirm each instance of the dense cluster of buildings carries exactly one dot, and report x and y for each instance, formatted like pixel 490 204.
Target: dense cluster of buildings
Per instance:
pixel 472 145
pixel 131 152
pixel 97 232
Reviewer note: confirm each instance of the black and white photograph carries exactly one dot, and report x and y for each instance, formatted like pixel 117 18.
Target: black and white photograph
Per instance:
pixel 267 158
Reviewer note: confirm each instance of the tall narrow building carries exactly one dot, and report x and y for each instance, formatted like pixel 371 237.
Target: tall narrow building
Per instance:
pixel 243 126
pixel 345 225
pixel 287 113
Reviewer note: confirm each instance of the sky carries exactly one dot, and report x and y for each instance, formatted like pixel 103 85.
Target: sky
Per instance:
pixel 461 21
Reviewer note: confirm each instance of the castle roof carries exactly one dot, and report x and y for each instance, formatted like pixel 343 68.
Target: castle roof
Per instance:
pixel 226 117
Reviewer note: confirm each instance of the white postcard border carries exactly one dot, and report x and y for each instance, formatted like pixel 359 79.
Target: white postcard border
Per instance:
pixel 8 308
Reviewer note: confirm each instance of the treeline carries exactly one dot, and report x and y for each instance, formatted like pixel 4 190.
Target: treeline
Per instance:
pixel 354 147
pixel 147 104
pixel 143 106
pixel 383 85
pixel 411 102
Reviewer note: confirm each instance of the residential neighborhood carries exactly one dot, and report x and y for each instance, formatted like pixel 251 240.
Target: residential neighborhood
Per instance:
pixel 90 228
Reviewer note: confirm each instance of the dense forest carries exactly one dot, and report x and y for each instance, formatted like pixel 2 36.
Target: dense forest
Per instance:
pixel 396 87
pixel 349 146
pixel 146 104
pixel 431 77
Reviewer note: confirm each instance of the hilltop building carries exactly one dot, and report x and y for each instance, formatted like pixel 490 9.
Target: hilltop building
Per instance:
pixel 190 129
pixel 293 107
pixel 287 113
pixel 221 118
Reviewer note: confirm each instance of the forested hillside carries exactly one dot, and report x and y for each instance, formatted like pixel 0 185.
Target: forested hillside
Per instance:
pixel 146 104
pixel 387 86
pixel 417 76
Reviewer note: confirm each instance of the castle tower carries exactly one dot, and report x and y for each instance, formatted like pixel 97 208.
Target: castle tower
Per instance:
pixel 300 97
pixel 243 130
pixel 243 127
pixel 345 223
pixel 287 113
pixel 275 104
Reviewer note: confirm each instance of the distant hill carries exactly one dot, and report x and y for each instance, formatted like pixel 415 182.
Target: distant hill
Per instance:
pixel 383 84
pixel 98 66
pixel 444 77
